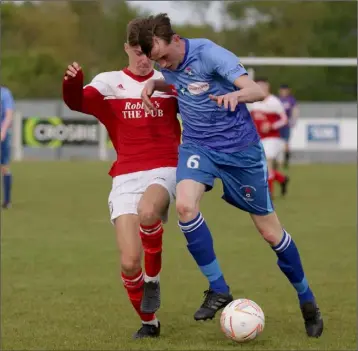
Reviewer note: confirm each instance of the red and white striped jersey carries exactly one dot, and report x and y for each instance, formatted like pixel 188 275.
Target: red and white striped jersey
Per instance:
pixel 268 113
pixel 142 141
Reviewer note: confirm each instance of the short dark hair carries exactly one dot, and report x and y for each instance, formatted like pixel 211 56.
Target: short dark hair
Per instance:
pixel 262 79
pixel 133 28
pixel 154 26
pixel 284 86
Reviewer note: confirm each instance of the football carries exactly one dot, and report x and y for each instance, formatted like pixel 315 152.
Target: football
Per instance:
pixel 242 320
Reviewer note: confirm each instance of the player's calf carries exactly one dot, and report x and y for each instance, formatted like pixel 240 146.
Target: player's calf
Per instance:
pixel 201 247
pixel 151 209
pixel 152 244
pixel 134 286
pixel 7 185
pixel 289 262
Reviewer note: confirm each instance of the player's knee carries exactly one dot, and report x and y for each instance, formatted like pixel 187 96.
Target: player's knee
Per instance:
pixel 186 211
pixel 5 169
pixel 130 265
pixel 148 214
pixel 270 236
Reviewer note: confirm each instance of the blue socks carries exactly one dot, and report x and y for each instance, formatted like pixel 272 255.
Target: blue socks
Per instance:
pixel 201 247
pixel 7 181
pixel 290 264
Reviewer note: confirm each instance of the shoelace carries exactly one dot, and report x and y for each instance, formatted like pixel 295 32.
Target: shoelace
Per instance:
pixel 145 327
pixel 209 298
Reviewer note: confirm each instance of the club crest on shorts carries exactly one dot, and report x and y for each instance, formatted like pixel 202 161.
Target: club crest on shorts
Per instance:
pixel 248 192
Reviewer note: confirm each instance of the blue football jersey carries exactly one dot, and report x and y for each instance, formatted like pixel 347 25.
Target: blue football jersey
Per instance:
pixel 7 102
pixel 207 69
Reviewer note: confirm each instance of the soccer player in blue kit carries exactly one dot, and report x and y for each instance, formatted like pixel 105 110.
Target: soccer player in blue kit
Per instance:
pixel 7 111
pixel 219 141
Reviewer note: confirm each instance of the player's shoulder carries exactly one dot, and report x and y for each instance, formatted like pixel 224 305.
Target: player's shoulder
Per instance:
pixel 5 90
pixel 274 103
pixel 5 93
pixel 273 100
pixel 293 100
pixel 200 45
pixel 270 104
pixel 199 42
pixel 107 77
pixel 157 75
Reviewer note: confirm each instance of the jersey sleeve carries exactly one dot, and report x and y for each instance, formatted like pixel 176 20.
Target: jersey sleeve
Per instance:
pixel 278 108
pixel 223 62
pixel 88 99
pixel 99 83
pixel 7 100
pixel 277 105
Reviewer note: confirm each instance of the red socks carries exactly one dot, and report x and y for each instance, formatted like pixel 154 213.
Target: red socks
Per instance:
pixel 152 245
pixel 279 177
pixel 134 287
pixel 275 176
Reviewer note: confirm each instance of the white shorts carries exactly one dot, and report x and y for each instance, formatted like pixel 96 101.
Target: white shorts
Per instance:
pixel 127 189
pixel 273 147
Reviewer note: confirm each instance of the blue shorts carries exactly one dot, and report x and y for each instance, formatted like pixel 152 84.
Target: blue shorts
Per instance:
pixel 243 174
pixel 5 151
pixel 285 133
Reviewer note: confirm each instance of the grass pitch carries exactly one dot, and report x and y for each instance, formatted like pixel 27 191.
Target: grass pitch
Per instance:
pixel 60 277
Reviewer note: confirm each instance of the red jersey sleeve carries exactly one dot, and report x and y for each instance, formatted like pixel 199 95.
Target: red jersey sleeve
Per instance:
pixel 88 100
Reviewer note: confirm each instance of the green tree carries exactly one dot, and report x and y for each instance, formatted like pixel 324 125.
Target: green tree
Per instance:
pixel 302 29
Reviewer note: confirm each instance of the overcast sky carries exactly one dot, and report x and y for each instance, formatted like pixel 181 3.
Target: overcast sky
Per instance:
pixel 181 13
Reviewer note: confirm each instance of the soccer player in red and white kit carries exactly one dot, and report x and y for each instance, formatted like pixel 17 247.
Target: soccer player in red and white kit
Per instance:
pixel 269 116
pixel 144 174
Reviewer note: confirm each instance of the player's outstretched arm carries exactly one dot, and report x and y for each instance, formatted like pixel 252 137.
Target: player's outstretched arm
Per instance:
pixel 249 92
pixel 150 87
pixel 295 115
pixel 223 62
pixel 283 119
pixel 86 100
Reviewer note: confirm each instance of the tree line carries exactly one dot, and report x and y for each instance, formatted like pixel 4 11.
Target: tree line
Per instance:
pixel 40 39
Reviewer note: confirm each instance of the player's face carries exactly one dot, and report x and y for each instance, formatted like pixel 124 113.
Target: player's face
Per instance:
pixel 265 86
pixel 284 92
pixel 138 60
pixel 167 55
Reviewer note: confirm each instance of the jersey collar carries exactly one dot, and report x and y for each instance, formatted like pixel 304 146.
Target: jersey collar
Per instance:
pixel 187 44
pixel 139 79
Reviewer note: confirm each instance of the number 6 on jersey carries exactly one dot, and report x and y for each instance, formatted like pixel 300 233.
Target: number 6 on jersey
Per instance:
pixel 193 161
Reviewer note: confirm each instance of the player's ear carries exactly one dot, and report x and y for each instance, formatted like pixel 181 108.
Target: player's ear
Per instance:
pixel 176 38
pixel 126 47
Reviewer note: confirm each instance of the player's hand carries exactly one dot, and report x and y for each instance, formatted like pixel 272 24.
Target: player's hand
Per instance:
pixel 265 127
pixel 146 94
pixel 72 70
pixel 229 100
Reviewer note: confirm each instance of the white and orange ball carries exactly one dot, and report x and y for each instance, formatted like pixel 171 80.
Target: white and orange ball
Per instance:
pixel 242 320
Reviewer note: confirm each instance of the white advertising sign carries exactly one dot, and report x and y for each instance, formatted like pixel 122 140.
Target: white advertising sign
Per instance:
pixel 324 134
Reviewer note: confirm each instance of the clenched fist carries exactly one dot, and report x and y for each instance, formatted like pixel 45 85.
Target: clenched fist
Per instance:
pixel 72 70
